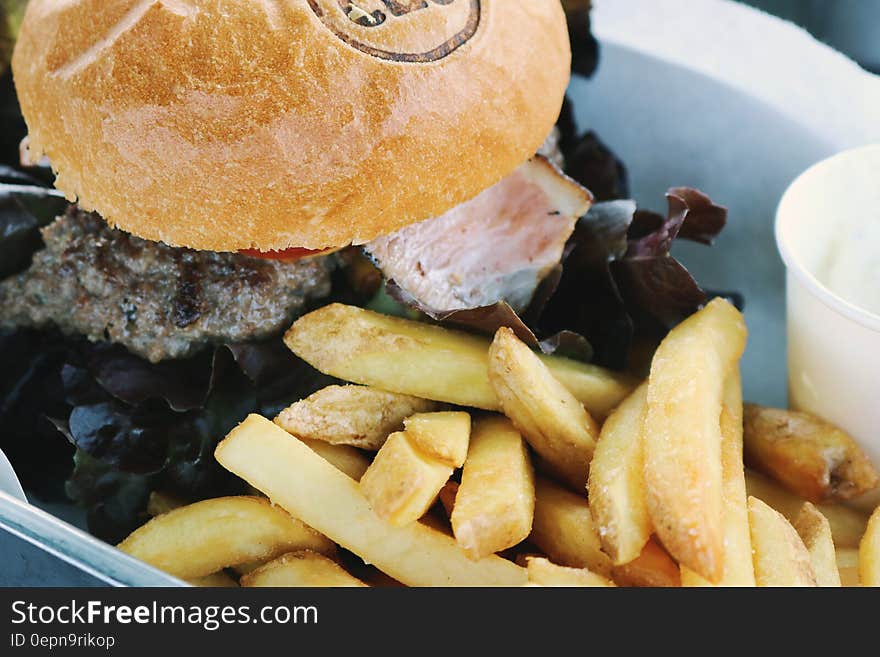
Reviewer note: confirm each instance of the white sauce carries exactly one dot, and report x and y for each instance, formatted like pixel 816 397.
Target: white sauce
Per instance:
pixel 852 268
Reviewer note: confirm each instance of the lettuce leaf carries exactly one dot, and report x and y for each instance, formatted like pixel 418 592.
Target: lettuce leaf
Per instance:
pixel 134 426
pixel 620 280
pixel 589 161
pixel 115 501
pixel 617 281
pixel 30 392
pixel 587 300
pixel 24 209
pixel 584 46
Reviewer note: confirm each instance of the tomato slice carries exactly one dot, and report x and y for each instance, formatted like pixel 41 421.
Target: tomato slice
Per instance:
pixel 292 254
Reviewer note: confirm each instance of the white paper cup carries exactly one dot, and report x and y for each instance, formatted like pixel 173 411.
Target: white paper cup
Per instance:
pixel 833 345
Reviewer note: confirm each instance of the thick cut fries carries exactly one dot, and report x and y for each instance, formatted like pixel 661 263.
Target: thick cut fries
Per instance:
pixel 780 557
pixel 302 482
pixel 349 460
pixel 543 572
pixel 351 415
pixel 617 484
pixel 203 538
pixel 869 552
pixel 812 458
pixel 443 436
pixel 652 568
pixel 495 502
pixel 304 568
pixel 551 419
pixel 563 528
pixel 738 567
pixel 402 482
pixel 847 524
pixel 682 435
pixel 815 532
pixel 429 361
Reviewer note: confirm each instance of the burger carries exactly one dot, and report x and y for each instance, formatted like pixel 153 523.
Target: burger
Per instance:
pixel 212 133
pixel 227 165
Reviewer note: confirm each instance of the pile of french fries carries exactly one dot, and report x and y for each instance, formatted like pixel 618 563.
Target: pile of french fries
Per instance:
pixel 455 460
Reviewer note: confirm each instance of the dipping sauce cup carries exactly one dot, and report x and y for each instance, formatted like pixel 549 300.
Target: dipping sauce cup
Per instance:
pixel 828 233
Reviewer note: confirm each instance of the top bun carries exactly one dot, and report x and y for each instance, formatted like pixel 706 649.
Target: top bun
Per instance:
pixel 233 124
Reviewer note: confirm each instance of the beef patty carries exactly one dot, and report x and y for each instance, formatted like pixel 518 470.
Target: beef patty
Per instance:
pixel 160 302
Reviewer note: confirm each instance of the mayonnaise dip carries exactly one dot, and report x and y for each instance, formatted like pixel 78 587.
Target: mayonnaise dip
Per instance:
pixel 852 267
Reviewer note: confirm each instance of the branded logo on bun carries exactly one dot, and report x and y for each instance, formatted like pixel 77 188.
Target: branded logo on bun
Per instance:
pixel 401 30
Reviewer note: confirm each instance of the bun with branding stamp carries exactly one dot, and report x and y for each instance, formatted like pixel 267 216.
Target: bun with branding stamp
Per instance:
pixel 234 124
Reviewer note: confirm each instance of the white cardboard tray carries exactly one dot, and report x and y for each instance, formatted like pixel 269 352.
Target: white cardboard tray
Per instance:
pixel 706 93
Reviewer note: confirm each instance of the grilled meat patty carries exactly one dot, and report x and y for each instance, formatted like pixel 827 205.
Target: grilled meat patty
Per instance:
pixel 160 302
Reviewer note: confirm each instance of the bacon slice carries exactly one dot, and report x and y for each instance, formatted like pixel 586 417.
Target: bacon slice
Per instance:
pixel 495 247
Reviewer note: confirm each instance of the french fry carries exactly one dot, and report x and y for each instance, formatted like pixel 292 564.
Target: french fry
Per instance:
pixel 869 552
pixel 809 456
pixel 682 435
pixel 218 581
pixel 847 524
pixel 349 460
pixel 738 567
pixel 780 557
pixel 443 436
pixel 495 502
pixel 815 532
pixel 402 483
pixel 159 503
pixel 543 572
pixel 303 569
pixel 305 484
pixel 428 361
pixel 617 495
pixel 522 553
pixel 652 568
pixel 553 422
pixel 203 538
pixel 351 415
pixel 848 566
pixel 563 528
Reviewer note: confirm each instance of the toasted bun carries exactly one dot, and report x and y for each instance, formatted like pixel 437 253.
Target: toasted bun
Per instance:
pixel 231 124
